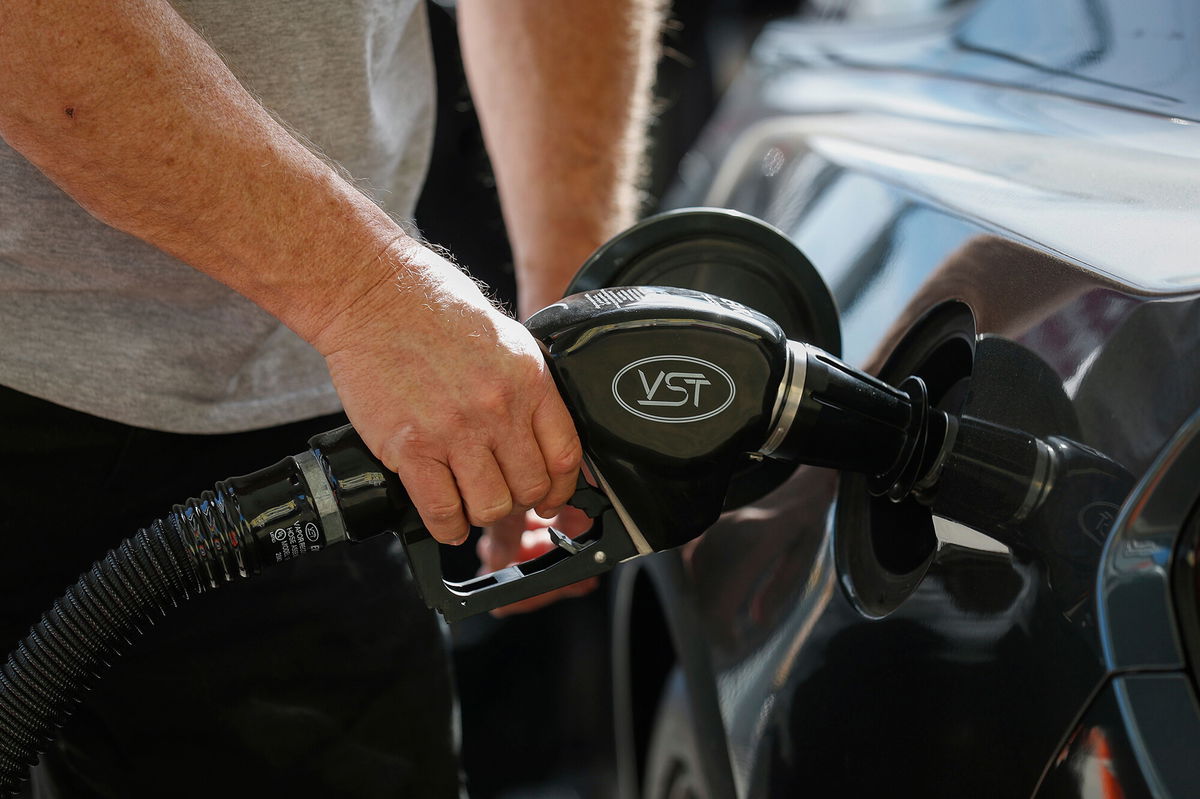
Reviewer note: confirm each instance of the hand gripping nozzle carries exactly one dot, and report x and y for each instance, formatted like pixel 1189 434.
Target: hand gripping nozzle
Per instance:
pixel 672 392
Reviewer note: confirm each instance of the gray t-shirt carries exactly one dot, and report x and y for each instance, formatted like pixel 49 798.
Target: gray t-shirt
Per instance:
pixel 97 320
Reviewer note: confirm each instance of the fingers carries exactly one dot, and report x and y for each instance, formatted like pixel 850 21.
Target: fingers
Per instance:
pixel 481 483
pixel 559 444
pixel 434 492
pixel 479 486
pixel 524 469
pixel 538 467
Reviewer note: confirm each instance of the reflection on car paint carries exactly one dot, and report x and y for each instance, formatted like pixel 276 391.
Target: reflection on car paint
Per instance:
pixel 1037 164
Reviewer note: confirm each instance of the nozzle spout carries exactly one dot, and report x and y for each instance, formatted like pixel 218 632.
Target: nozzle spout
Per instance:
pixel 831 414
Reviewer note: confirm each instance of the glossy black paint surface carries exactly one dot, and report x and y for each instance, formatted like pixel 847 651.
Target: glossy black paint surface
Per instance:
pixel 1138 55
pixel 1018 161
pixel 1135 740
pixel 985 651
pixel 1097 756
pixel 1150 556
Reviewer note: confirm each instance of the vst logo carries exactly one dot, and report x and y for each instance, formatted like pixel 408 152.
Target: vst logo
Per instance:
pixel 673 388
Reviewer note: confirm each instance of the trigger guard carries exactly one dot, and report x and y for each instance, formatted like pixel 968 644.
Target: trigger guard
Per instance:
pixel 602 547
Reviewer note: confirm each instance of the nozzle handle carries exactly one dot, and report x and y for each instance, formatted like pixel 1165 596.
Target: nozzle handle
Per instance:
pixel 595 552
pixel 370 499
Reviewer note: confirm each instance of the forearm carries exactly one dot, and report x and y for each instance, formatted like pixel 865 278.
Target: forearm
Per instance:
pixel 563 93
pixel 133 115
pixel 129 111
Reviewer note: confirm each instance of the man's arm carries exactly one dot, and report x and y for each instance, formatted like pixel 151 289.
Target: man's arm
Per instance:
pixel 563 91
pixel 132 114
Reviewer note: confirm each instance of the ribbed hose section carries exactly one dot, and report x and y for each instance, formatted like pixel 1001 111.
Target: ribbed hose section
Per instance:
pixel 66 652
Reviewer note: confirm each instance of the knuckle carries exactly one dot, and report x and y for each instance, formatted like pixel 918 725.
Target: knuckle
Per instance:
pixel 451 535
pixel 486 515
pixel 496 398
pixel 531 494
pixel 450 530
pixel 407 444
pixel 442 513
pixel 412 438
pixel 565 460
pixel 430 439
pixel 459 419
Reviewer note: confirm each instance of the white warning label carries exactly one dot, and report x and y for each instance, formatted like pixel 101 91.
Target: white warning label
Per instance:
pixel 295 540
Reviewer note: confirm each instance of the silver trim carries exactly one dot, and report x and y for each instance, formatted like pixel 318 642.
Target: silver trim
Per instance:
pixel 791 392
pixel 935 471
pixel 781 393
pixel 318 486
pixel 1040 482
pixel 952 533
pixel 635 535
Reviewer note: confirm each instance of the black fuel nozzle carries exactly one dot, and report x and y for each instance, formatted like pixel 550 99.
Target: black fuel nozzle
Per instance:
pixel 672 391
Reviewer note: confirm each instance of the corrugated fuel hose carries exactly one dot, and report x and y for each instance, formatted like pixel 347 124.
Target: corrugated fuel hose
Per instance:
pixel 333 491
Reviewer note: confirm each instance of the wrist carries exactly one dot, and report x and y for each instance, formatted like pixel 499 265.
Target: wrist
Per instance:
pixel 405 284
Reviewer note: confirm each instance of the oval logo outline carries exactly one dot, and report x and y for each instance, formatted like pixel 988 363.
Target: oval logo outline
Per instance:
pixel 666 419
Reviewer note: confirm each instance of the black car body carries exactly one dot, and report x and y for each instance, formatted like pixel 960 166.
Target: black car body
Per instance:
pixel 1004 198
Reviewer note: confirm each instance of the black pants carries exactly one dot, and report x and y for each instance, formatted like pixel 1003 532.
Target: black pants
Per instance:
pixel 325 676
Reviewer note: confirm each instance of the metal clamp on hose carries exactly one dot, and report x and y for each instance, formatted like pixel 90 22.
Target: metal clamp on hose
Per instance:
pixel 322 495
